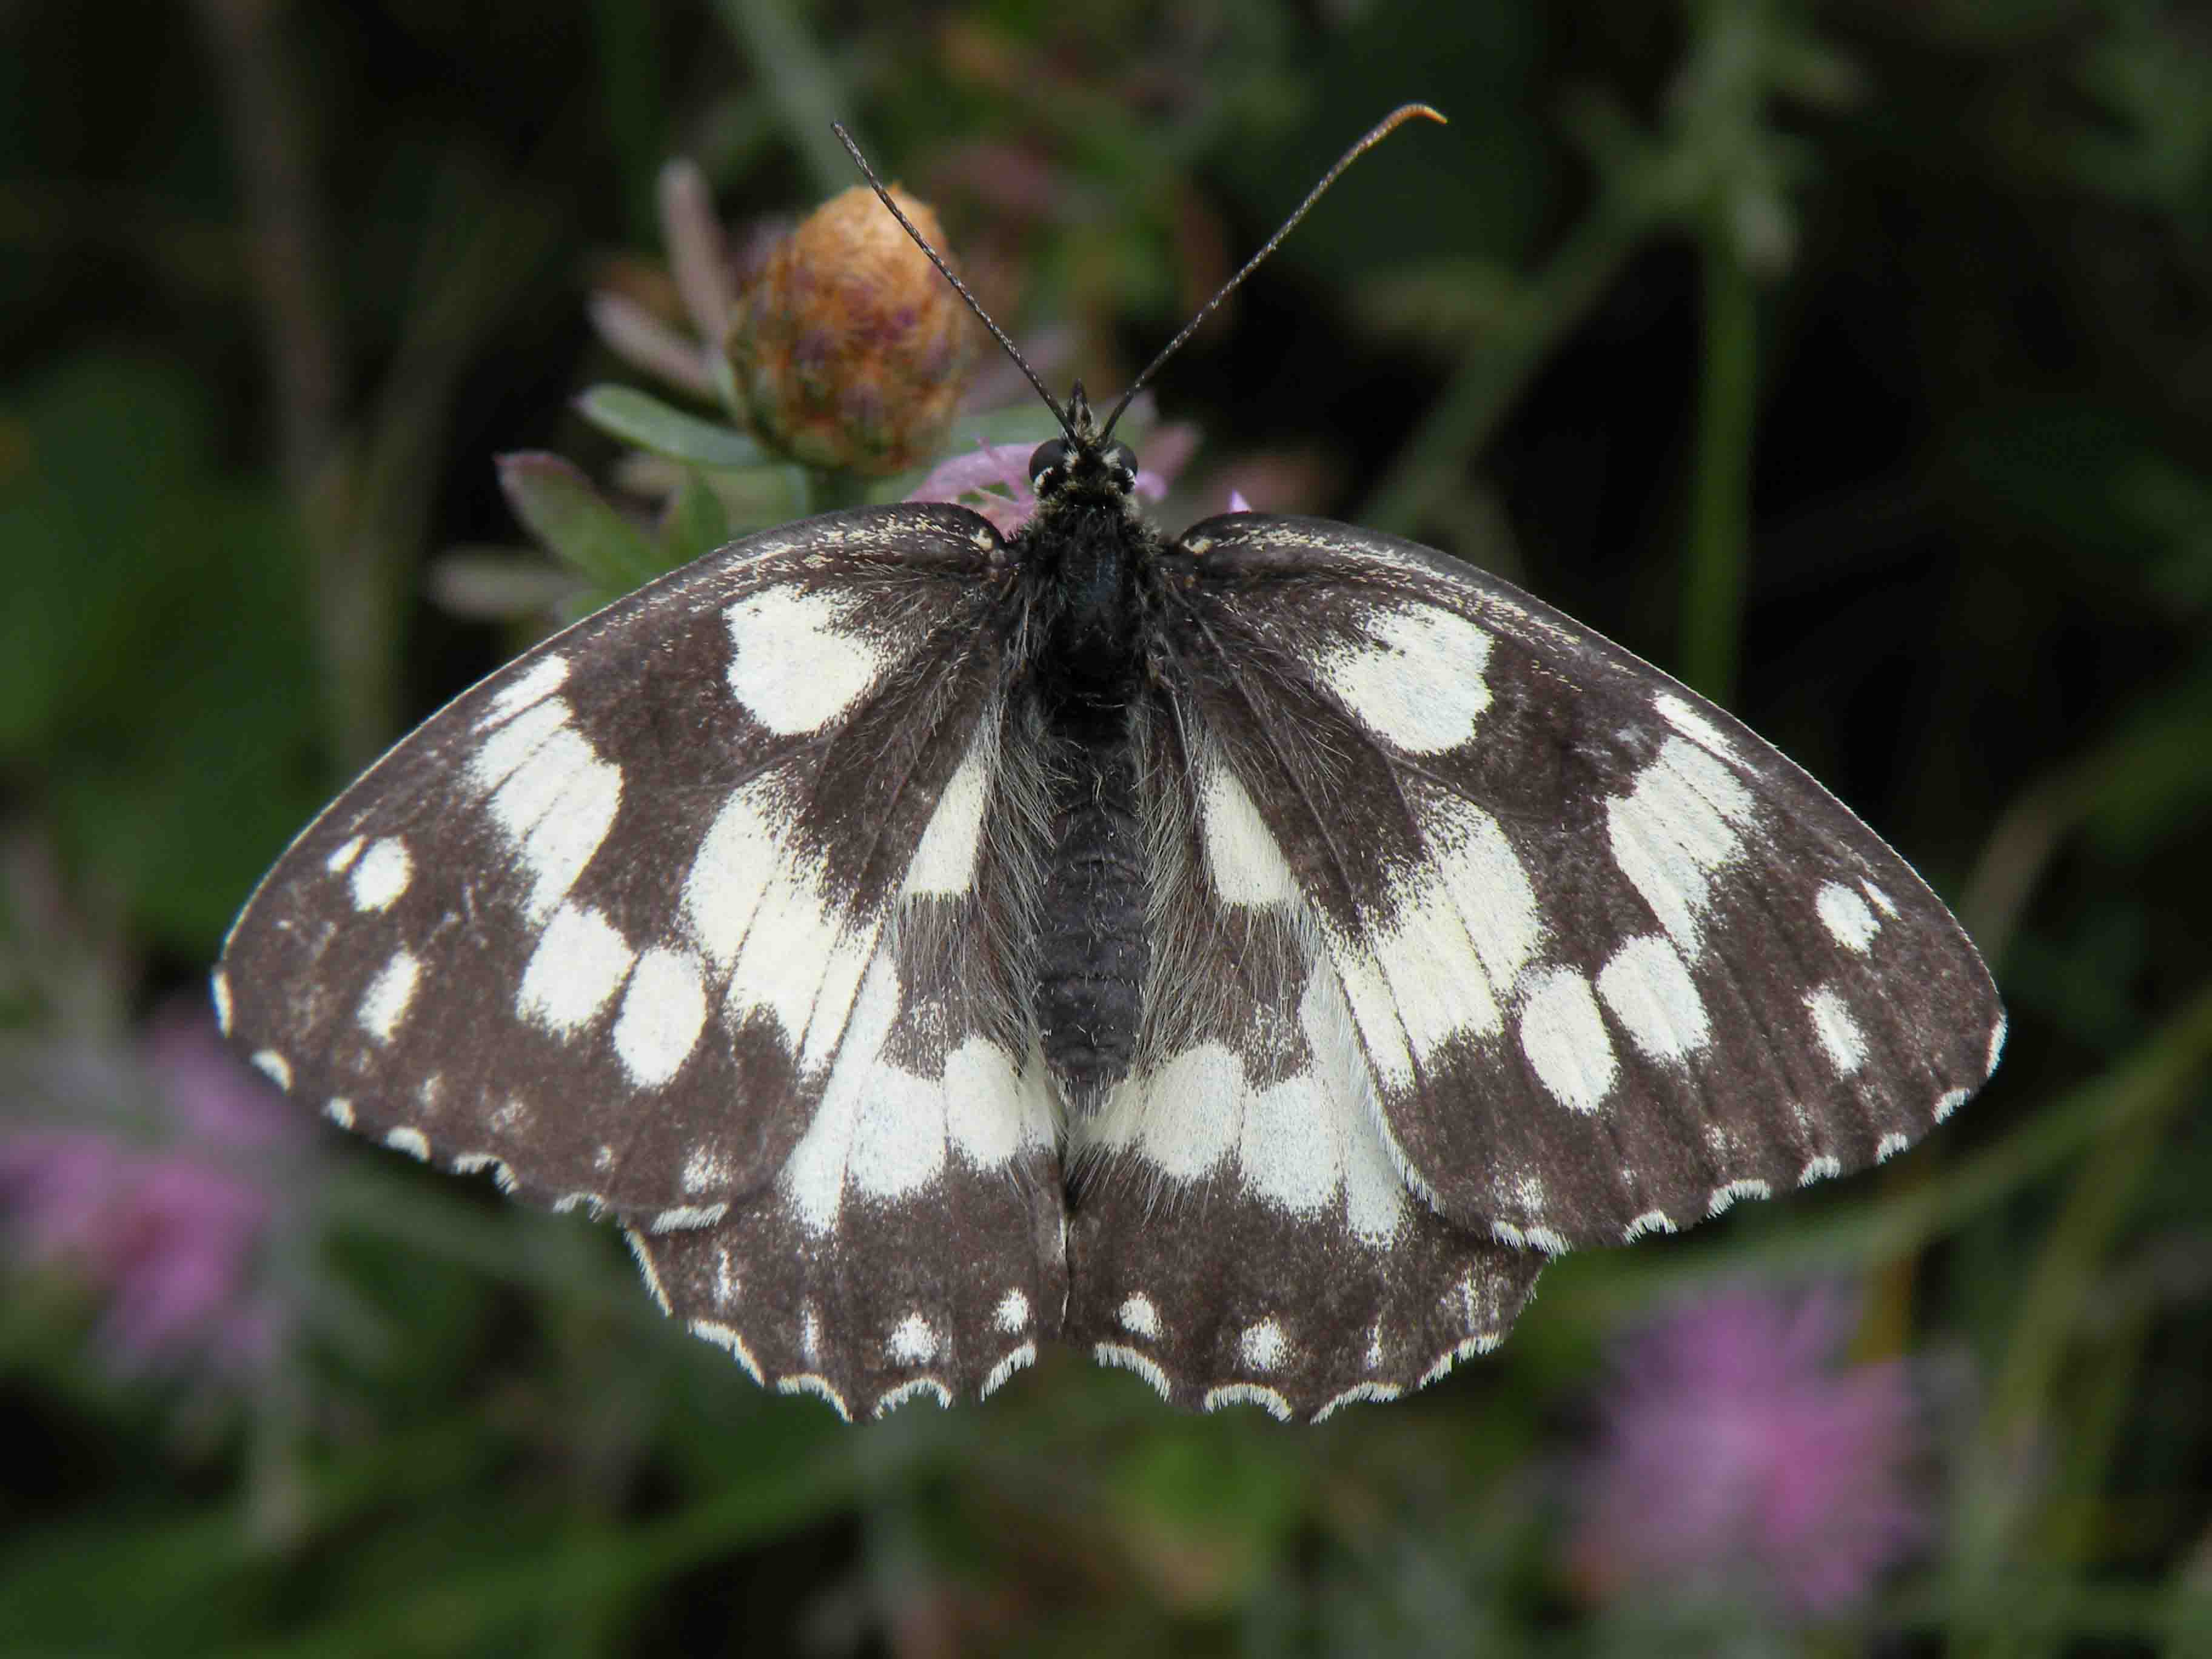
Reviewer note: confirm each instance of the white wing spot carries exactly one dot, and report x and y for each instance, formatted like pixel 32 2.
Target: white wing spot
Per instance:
pixel 412 1142
pixel 1368 1001
pixel 736 858
pixel 989 1112
pixel 1563 1035
pixel 1486 884
pixel 1684 718
pixel 662 1014
pixel 1423 953
pixel 1952 1100
pixel 580 961
pixel 945 858
pixel 686 1217
pixel 1012 1313
pixel 1241 853
pixel 1651 993
pixel 1286 1152
pixel 1651 1221
pixel 1889 1146
pixel 339 1110
pixel 552 796
pixel 898 1137
pixel 342 860
pixel 1191 1109
pixel 1837 1032
pixel 1996 1045
pixel 1725 1196
pixel 1248 1393
pixel 219 988
pixel 1139 1315
pixel 809 1334
pixel 540 680
pixel 384 1003
pixel 795 665
pixel 813 1177
pixel 913 1341
pixel 1263 1346
pixel 274 1066
pixel 1846 917
pixel 1823 1168
pixel 704 1170
pixel 1673 830
pixel 1417 681
pixel 1881 900
pixel 382 874
pixel 1110 1353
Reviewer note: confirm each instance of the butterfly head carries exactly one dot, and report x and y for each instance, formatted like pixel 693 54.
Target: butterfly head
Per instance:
pixel 1086 462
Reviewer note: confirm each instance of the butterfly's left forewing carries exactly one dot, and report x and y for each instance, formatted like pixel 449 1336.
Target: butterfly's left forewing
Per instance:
pixel 678 917
pixel 1615 962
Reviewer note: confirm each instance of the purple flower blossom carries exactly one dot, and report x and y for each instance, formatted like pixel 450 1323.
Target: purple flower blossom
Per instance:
pixel 1735 1457
pixel 994 479
pixel 167 1232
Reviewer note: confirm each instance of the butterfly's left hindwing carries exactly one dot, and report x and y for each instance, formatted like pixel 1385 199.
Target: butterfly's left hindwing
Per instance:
pixel 678 917
pixel 1615 962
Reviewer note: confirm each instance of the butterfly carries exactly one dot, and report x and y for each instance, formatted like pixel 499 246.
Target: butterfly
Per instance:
pixel 1248 956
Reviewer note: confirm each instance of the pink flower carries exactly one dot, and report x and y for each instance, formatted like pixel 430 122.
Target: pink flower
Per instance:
pixel 1735 1457
pixel 994 478
pixel 169 1232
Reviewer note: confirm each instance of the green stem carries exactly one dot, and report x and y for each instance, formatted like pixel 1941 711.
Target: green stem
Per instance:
pixel 1495 369
pixel 1720 500
pixel 2024 1412
pixel 794 76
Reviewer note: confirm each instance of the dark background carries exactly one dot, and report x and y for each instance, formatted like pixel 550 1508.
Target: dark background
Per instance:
pixel 1851 361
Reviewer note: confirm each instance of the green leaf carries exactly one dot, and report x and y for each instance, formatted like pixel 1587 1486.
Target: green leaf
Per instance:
pixel 154 674
pixel 696 523
pixel 581 529
pixel 634 417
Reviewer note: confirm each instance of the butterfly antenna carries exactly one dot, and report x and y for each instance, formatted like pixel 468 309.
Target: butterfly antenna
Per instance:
pixel 961 287
pixel 1381 130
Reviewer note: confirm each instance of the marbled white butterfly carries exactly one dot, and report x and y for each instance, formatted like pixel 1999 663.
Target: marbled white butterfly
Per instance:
pixel 1248 956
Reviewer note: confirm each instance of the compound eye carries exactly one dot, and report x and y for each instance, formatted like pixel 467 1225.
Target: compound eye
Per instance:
pixel 1121 466
pixel 1048 465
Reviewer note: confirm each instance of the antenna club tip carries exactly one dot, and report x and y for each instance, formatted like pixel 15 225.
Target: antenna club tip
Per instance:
pixel 1406 113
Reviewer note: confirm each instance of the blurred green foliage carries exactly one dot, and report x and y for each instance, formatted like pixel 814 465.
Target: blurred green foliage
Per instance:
pixel 1851 359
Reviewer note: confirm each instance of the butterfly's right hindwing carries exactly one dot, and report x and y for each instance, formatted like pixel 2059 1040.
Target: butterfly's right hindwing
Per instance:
pixel 1242 1231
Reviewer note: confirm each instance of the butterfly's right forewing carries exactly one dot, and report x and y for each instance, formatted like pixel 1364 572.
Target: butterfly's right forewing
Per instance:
pixel 1616 964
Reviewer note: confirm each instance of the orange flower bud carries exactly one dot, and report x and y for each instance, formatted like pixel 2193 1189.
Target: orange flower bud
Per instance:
pixel 851 350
